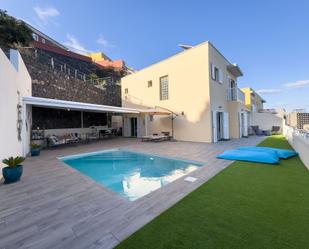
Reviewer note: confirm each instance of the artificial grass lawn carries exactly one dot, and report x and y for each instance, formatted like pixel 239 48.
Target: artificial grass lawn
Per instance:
pixel 247 205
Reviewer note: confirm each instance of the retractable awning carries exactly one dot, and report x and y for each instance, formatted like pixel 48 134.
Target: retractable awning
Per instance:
pixel 155 111
pixel 80 106
pixel 71 105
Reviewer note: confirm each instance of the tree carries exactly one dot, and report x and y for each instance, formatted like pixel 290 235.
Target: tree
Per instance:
pixel 13 33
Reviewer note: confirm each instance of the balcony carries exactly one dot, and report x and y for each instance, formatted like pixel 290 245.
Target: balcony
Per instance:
pixel 235 94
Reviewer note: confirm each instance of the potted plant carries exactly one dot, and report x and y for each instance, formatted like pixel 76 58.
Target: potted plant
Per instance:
pixel 35 149
pixel 14 169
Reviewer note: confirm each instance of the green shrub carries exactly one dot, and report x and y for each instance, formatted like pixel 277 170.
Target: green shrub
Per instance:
pixel 13 161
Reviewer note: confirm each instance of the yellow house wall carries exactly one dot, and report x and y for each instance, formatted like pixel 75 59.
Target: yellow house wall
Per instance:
pixel 188 73
pixel 252 100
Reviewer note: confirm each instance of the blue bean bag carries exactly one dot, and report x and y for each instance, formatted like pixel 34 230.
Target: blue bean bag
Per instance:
pixel 280 152
pixel 250 156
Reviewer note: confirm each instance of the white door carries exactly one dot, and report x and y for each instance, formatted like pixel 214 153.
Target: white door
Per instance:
pixel 214 126
pixel 126 127
pixel 226 126
pixel 240 124
pixel 245 131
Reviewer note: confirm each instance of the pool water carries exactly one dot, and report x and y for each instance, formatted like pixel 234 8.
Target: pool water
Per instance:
pixel 129 173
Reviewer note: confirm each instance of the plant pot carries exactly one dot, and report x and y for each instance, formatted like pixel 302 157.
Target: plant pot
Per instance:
pixel 35 152
pixel 12 174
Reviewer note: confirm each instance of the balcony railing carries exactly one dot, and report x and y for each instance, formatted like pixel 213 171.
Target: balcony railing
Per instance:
pixel 235 94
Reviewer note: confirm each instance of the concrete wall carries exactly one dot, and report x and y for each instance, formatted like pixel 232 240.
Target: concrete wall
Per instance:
pixel 265 121
pixel 299 142
pixel 15 82
pixel 188 75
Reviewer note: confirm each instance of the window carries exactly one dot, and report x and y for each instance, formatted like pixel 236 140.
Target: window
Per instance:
pixel 164 88
pixel 43 40
pixel 149 84
pixel 216 73
pixel 35 37
pixel 126 90
pixel 232 89
pixel 151 118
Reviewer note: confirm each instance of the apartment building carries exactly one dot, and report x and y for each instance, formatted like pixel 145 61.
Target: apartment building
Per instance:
pixel 299 120
pixel 198 86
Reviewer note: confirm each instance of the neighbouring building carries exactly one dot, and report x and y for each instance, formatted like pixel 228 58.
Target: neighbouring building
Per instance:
pixel 265 119
pixel 106 62
pixel 299 120
pixel 254 102
pixel 199 85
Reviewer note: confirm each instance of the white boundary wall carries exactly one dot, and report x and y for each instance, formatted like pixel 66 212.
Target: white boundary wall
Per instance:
pixel 299 141
pixel 15 83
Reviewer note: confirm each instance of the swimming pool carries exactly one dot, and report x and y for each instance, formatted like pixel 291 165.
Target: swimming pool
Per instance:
pixel 131 174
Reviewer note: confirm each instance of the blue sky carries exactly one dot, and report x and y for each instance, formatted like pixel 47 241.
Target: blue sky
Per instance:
pixel 268 39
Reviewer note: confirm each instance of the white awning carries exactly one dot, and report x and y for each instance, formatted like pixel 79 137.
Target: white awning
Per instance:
pixel 71 105
pixel 155 111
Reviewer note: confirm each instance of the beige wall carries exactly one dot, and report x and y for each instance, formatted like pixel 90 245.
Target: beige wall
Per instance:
pixel 218 93
pixel 14 78
pixel 188 74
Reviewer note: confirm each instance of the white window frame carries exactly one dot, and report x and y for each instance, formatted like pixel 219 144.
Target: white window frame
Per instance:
pixel 35 37
pixel 164 89
pixel 216 73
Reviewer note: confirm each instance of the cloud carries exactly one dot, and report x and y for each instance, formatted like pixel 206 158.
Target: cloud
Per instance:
pixel 269 91
pixel 73 43
pixel 104 43
pixel 297 84
pixel 44 14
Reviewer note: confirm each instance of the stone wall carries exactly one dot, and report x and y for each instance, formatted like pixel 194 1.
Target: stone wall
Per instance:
pixel 56 81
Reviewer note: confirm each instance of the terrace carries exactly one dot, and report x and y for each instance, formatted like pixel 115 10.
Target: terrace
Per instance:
pixel 58 207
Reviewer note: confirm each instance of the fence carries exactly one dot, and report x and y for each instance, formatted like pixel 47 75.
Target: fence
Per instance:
pixel 299 140
pixel 235 94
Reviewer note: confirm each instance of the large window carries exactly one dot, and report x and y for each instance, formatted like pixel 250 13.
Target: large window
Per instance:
pixel 164 88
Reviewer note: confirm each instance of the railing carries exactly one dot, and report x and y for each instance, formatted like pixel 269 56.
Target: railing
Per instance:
pixel 235 94
pixel 56 64
pixel 299 139
pixel 101 82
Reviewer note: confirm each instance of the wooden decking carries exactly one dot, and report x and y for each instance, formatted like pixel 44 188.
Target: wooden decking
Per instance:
pixel 54 206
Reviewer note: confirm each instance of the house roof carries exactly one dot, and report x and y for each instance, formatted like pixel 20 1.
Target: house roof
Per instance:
pixel 188 49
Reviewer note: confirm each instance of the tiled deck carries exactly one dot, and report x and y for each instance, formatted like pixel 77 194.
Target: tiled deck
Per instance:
pixel 54 206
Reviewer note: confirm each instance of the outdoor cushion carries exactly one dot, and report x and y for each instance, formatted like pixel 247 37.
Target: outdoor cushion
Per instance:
pixel 250 156
pixel 280 152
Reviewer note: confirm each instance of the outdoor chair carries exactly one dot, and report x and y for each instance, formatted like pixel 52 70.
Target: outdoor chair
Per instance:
pixel 275 130
pixel 256 130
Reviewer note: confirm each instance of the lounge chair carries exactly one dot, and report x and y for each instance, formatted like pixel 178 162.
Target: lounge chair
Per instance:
pixel 54 140
pixel 155 138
